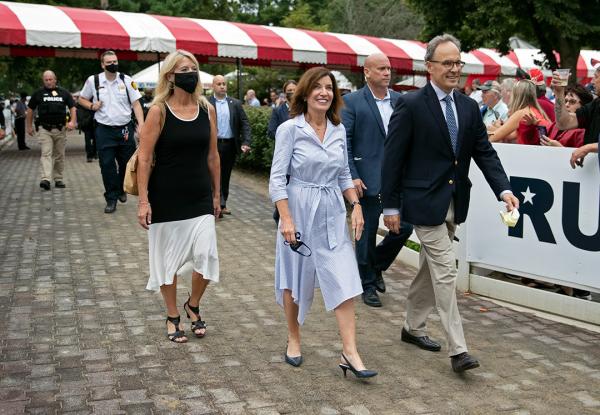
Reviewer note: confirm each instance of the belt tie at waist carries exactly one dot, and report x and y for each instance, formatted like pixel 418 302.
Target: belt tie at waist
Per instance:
pixel 330 191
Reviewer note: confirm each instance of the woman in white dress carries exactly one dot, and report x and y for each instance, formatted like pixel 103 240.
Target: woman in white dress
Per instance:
pixel 313 245
pixel 180 200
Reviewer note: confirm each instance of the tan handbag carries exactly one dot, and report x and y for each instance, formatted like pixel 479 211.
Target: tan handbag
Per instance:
pixel 130 182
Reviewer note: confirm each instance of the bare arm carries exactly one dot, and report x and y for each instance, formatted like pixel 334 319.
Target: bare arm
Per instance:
pixel 510 126
pixel 148 138
pixel 214 162
pixel 139 114
pixel 357 218
pixel 72 118
pixel 85 103
pixel 579 154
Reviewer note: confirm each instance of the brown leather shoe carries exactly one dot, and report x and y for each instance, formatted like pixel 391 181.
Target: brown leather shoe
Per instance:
pixel 225 211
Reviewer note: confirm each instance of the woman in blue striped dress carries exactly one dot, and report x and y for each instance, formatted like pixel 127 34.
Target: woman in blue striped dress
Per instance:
pixel 313 245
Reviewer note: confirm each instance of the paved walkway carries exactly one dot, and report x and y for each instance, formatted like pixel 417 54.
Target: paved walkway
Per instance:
pixel 80 334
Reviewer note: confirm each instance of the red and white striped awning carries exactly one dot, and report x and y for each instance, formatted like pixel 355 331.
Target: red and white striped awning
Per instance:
pixel 43 30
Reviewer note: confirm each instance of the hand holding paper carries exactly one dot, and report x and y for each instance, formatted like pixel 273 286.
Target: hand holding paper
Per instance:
pixel 510 218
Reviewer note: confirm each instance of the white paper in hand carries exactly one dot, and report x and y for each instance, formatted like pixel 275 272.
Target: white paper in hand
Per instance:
pixel 511 218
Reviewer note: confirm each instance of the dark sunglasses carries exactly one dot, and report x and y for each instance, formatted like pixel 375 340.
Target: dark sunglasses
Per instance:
pixel 297 246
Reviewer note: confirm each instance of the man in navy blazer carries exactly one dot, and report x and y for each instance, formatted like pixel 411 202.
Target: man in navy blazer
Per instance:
pixel 433 135
pixel 366 115
pixel 233 133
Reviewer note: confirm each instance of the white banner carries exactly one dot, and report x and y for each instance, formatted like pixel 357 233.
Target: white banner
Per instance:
pixel 557 237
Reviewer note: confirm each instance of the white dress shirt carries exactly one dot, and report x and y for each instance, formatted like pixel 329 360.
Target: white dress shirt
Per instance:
pixel 441 95
pixel 385 108
pixel 115 109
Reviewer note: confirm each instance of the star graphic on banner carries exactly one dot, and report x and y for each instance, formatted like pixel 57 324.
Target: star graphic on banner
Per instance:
pixel 528 196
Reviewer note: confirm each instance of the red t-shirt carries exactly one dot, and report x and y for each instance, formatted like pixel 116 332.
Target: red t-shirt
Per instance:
pixel 568 138
pixel 528 134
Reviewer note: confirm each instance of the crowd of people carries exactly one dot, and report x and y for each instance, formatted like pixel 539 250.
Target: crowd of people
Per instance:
pixel 405 157
pixel 519 111
pixel 12 118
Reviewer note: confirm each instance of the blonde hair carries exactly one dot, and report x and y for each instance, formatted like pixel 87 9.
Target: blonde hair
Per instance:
pixel 164 88
pixel 524 96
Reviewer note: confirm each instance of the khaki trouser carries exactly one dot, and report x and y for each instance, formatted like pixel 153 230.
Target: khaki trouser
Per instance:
pixel 52 161
pixel 435 284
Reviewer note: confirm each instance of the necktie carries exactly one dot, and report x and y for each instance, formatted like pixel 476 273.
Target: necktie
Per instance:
pixel 451 122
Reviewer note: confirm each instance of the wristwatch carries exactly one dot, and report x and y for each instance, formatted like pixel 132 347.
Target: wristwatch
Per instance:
pixel 356 202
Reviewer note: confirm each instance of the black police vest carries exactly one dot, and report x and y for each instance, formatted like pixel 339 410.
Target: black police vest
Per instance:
pixel 51 109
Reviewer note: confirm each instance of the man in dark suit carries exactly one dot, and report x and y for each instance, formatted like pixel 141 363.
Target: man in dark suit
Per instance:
pixel 281 113
pixel 233 133
pixel 433 135
pixel 366 115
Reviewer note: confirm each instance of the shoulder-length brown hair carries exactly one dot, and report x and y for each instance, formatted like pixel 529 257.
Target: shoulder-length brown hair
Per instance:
pixel 307 83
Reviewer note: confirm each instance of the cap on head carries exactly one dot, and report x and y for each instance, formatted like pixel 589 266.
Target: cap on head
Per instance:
pixel 490 86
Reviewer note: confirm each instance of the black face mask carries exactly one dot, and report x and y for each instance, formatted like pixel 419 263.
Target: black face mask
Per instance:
pixel 289 96
pixel 187 81
pixel 112 68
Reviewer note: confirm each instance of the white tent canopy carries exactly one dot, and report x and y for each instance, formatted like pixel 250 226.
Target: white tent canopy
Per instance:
pixel 148 78
pixel 342 81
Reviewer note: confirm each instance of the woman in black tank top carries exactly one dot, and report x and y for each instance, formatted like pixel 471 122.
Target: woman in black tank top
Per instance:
pixel 179 187
pixel 179 200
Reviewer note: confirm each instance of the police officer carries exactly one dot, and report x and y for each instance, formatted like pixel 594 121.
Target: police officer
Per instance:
pixel 51 102
pixel 112 95
pixel 146 100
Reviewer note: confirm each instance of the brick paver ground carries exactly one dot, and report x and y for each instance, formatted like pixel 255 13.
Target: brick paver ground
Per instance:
pixel 80 334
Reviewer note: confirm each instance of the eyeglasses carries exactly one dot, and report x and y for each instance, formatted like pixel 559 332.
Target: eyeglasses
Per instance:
pixel 572 101
pixel 451 64
pixel 297 246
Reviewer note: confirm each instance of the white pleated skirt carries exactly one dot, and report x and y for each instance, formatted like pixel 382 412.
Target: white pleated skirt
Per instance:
pixel 177 247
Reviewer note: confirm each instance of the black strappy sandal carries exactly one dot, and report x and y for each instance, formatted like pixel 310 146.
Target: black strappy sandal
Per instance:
pixel 198 324
pixel 177 334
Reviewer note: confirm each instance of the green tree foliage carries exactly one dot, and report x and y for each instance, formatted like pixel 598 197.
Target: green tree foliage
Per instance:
pixel 262 146
pixel 563 26
pixel 381 18
pixel 302 17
